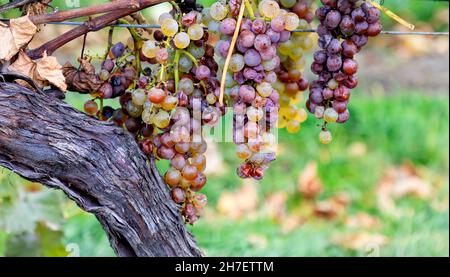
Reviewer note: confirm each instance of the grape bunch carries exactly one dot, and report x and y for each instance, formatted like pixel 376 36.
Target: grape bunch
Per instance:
pixel 251 75
pixel 291 83
pixel 117 73
pixel 345 26
pixel 167 90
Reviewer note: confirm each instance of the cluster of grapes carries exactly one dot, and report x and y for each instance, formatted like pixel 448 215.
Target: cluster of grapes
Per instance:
pixel 117 74
pixel 166 105
pixel 345 26
pixel 251 75
pixel 291 83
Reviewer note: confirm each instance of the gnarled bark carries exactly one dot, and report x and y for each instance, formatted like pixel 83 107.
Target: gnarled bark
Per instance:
pixel 98 165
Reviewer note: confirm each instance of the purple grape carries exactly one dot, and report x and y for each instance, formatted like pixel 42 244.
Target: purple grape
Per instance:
pixel 252 57
pixel 247 38
pixel 259 26
pixel 268 53
pixel 277 24
pixel 347 26
pixel 202 72
pixel 284 36
pixel 247 93
pixel 262 42
pixel 334 63
pixel 274 36
pixel 334 47
pixel 332 19
pixel 343 117
pixel 320 56
pixel 250 74
pixel 361 27
pixel 224 45
pixel 227 26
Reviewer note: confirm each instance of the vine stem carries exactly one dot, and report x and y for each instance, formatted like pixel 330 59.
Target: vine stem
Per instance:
pixel 230 52
pixel 92 10
pixel 176 68
pixel 249 9
pixel 190 56
pixel 137 41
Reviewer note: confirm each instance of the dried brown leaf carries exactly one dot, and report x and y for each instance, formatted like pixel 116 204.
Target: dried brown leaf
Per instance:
pixel 44 71
pixel 79 80
pixel 23 65
pixel 19 33
pixel 242 202
pixel 333 207
pixel 399 182
pixel 49 70
pixel 360 241
pixel 275 206
pixel 362 220
pixel 309 183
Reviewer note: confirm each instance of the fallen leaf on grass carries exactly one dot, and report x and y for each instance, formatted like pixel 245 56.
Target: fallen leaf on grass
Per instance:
pixel 309 183
pixel 360 241
pixel 239 203
pixel 44 72
pixel 333 207
pixel 291 222
pixel 362 220
pixel 257 241
pixel 275 206
pixel 399 182
pixel 18 34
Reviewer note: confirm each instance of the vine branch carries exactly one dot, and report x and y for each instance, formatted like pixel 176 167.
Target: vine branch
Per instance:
pixel 91 25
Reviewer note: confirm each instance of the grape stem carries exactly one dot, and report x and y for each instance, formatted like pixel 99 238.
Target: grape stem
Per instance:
pixel 230 52
pixel 161 73
pixel 176 69
pixel 248 7
pixel 190 56
pixel 137 41
pixel 110 41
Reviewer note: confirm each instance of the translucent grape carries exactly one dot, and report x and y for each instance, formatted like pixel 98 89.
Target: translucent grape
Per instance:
pixel 169 27
pixel 149 49
pixel 293 126
pixel 237 63
pixel 269 8
pixel 254 114
pixel 330 115
pixel 186 85
pixel 264 89
pixel 325 137
pixel 181 40
pixel 243 152
pixel 291 21
pixel 218 11
pixel 162 119
pixel 139 97
pixel 195 32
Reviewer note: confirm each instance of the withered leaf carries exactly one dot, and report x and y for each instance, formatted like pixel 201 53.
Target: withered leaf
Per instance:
pixel 48 69
pixel 19 33
pixel 83 80
pixel 44 72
